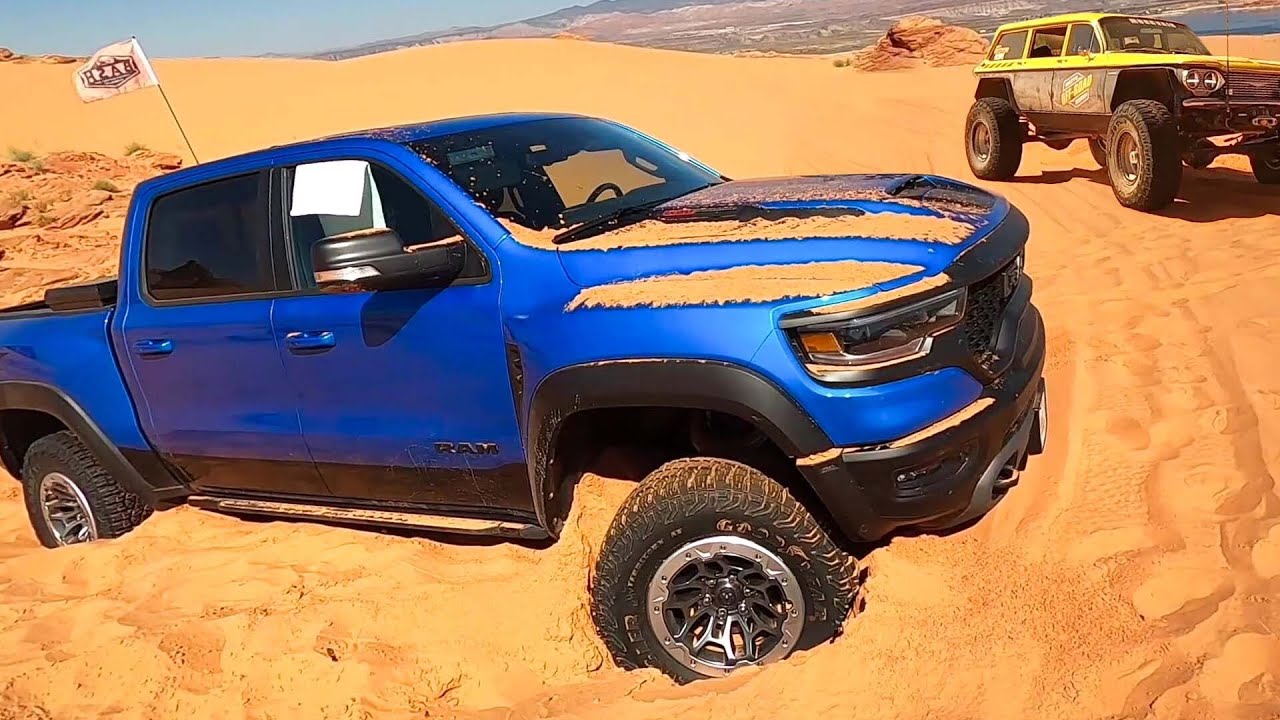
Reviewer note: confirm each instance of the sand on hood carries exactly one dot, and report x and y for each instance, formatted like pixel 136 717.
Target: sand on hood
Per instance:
pixel 745 284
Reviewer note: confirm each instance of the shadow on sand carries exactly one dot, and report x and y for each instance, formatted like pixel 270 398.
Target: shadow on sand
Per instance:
pixel 1206 195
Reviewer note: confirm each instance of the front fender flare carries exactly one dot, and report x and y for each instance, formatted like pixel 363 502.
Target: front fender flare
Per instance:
pixel 680 383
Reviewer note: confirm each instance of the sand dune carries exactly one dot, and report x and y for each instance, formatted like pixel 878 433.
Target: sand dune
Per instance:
pixel 1132 574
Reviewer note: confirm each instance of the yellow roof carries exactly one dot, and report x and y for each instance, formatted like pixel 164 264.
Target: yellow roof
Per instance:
pixel 1062 20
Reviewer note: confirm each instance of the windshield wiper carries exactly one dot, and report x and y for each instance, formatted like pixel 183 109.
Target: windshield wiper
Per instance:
pixel 608 221
pixel 616 219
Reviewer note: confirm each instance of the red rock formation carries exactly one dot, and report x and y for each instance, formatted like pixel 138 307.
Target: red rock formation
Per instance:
pixel 916 41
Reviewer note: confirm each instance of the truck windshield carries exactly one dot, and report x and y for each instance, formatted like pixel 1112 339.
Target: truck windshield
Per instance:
pixel 1146 35
pixel 562 172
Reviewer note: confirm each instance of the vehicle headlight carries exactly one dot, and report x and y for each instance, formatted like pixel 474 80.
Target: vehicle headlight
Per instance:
pixel 879 339
pixel 1202 82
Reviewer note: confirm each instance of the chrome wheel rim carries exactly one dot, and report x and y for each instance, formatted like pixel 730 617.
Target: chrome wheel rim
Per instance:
pixel 980 138
pixel 66 510
pixel 1127 158
pixel 720 603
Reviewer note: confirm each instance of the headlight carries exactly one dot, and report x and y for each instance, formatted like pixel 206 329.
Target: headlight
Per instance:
pixel 886 337
pixel 1202 82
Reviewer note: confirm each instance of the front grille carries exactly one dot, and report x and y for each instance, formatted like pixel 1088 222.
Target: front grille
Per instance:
pixel 1251 86
pixel 988 299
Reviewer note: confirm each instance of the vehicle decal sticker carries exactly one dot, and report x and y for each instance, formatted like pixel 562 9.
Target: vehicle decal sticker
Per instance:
pixel 1001 53
pixel 745 284
pixel 1076 89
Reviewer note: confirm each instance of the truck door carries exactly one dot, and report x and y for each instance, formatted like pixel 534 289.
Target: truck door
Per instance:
pixel 1078 83
pixel 1033 83
pixel 405 396
pixel 196 343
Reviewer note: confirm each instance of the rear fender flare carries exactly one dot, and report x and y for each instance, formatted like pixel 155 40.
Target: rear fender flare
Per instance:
pixel 51 401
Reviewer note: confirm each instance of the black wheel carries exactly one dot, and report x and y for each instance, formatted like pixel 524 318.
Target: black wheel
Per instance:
pixel 1144 155
pixel 709 566
pixel 1266 167
pixel 1098 148
pixel 993 139
pixel 70 498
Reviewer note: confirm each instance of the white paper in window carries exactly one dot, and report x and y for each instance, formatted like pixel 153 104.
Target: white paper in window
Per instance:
pixel 335 187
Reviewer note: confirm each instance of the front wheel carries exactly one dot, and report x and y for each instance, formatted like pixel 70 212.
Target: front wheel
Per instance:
pixel 1144 155
pixel 1266 167
pixel 994 137
pixel 710 566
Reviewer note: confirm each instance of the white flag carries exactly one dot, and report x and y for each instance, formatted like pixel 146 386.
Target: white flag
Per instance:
pixel 114 70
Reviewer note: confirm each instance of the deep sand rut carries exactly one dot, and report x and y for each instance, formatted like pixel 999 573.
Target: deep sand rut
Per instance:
pixel 1133 573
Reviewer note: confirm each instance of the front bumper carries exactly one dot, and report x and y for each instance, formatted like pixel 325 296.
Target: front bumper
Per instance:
pixel 1244 116
pixel 940 479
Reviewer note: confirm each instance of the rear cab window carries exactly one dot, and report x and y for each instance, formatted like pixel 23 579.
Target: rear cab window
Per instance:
pixel 1010 46
pixel 210 240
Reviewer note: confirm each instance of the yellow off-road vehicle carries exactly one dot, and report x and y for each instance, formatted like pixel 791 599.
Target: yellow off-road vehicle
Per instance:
pixel 1146 93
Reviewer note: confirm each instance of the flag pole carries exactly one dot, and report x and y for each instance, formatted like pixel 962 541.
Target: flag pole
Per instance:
pixel 174 115
pixel 163 94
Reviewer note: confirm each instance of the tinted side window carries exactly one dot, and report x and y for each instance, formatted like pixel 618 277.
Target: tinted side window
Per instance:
pixel 1083 38
pixel 210 240
pixel 1048 42
pixel 1010 46
pixel 346 196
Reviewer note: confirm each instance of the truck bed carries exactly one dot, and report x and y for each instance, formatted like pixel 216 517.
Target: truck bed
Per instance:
pixel 72 298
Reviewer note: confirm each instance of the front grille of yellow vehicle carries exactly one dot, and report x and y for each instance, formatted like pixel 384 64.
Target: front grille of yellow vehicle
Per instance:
pixel 1248 86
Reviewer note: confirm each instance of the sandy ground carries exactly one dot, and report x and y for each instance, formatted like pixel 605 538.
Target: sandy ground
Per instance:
pixel 1133 573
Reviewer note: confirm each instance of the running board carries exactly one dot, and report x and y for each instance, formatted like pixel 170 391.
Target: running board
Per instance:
pixel 381 518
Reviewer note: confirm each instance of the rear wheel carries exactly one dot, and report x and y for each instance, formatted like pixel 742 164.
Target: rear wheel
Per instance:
pixel 1098 148
pixel 1144 158
pixel 70 498
pixel 994 137
pixel 1266 167
pixel 710 566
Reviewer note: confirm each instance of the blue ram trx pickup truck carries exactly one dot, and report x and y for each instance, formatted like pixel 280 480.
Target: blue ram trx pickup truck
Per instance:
pixel 444 326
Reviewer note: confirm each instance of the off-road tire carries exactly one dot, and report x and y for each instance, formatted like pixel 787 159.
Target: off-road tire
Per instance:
pixel 1098 149
pixel 1266 168
pixel 115 510
pixel 1007 137
pixel 1158 170
pixel 691 499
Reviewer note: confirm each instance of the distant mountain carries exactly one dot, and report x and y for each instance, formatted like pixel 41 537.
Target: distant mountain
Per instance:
pixel 784 26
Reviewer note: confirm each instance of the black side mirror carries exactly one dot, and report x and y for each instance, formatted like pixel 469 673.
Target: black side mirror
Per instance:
pixel 376 259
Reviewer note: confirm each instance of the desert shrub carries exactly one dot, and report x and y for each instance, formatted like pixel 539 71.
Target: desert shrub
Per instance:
pixel 22 156
pixel 106 185
pixel 134 148
pixel 842 62
pixel 19 196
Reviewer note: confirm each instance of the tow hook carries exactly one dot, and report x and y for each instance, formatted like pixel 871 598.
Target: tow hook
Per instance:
pixel 1266 122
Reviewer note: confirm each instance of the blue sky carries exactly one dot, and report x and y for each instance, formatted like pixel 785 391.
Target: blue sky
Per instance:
pixel 178 28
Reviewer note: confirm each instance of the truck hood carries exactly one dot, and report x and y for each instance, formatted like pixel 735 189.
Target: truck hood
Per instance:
pixel 920 223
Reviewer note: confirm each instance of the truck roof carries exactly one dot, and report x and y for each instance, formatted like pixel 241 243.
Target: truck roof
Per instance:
pixel 406 133
pixel 1082 17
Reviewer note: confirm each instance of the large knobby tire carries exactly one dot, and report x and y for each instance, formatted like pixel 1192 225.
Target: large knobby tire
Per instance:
pixel 1098 149
pixel 700 536
pixel 1144 155
pixel 70 498
pixel 993 139
pixel 1266 167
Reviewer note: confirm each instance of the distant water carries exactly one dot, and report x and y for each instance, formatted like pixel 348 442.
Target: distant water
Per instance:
pixel 1213 22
